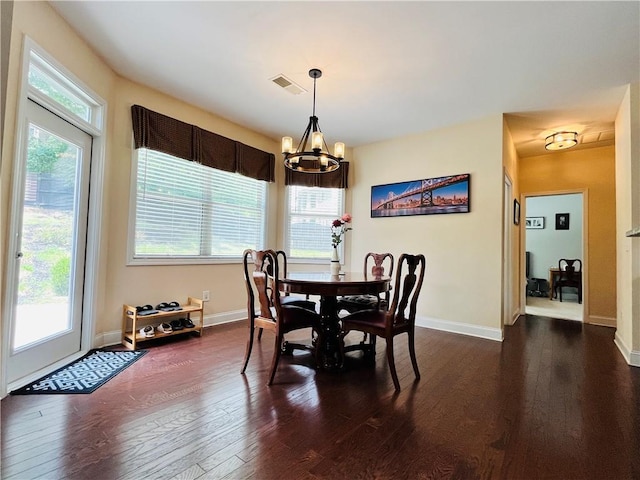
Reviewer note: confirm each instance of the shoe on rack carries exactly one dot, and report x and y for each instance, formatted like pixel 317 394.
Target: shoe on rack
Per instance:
pixel 146 310
pixel 174 305
pixel 147 331
pixel 187 323
pixel 164 307
pixel 176 325
pixel 164 328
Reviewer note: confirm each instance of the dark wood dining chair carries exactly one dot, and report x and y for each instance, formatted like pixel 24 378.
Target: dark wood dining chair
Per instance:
pixel 570 275
pixel 288 299
pixel 378 261
pixel 261 275
pixel 398 318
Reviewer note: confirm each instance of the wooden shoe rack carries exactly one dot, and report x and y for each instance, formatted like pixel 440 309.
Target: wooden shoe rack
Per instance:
pixel 132 322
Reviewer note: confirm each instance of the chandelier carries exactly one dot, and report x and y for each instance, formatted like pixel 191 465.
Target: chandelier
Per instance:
pixel 561 140
pixel 317 159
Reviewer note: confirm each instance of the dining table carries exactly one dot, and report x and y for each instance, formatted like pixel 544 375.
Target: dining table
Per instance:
pixel 329 288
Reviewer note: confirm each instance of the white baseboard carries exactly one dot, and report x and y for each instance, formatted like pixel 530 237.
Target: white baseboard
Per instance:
pixel 461 328
pixel 603 321
pixel 632 357
pixel 226 317
pixel 107 338
pixel 115 337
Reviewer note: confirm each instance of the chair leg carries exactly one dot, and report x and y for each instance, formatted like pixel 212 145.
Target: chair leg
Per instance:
pixel 248 350
pixel 412 354
pixel 392 363
pixel 372 348
pixel 560 295
pixel 276 358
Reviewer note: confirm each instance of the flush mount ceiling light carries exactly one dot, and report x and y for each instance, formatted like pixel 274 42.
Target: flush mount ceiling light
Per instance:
pixel 317 159
pixel 561 141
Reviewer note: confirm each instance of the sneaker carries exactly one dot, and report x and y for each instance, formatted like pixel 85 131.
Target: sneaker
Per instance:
pixel 147 331
pixel 164 328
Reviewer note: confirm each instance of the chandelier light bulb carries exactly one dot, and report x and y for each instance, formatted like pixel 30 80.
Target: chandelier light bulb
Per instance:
pixel 316 141
pixel 287 145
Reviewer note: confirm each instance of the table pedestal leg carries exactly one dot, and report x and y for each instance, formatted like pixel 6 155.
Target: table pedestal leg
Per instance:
pixel 329 354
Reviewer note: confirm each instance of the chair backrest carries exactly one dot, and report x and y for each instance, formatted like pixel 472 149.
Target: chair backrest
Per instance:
pixel 406 290
pixel 570 268
pixel 281 256
pixel 261 273
pixel 378 266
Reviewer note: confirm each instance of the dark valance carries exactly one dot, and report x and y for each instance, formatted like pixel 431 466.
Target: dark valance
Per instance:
pixel 336 179
pixel 155 131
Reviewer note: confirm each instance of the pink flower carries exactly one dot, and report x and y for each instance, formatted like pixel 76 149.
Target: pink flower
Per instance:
pixel 338 229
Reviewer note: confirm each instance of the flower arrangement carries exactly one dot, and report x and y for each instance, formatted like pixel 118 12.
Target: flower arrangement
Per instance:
pixel 339 228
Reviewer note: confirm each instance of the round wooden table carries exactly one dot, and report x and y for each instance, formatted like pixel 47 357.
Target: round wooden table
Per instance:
pixel 329 288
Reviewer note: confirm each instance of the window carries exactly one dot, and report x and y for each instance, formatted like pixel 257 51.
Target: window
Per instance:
pixel 311 210
pixel 61 93
pixel 185 212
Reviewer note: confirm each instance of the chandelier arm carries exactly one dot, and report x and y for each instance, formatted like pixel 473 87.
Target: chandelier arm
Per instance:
pixel 302 146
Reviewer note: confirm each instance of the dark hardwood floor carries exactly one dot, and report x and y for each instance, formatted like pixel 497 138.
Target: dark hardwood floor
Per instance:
pixel 555 400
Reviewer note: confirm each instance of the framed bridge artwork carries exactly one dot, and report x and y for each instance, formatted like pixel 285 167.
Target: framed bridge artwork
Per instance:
pixel 422 197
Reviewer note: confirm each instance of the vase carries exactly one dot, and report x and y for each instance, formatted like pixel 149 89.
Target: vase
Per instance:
pixel 335 262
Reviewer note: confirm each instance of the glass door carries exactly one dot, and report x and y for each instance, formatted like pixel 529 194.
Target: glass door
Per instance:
pixel 48 271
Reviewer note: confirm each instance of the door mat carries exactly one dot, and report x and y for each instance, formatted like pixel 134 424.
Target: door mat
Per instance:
pixel 83 375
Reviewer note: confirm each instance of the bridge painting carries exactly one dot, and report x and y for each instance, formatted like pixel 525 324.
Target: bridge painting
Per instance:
pixel 422 197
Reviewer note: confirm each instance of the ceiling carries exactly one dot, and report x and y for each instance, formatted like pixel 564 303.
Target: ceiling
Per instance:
pixel 389 68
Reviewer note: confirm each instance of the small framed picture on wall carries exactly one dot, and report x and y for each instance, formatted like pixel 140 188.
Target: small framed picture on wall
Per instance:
pixel 562 221
pixel 534 222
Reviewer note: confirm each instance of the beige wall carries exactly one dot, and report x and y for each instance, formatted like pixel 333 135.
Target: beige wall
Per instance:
pixel 6 19
pixel 591 170
pixel 117 282
pixel 628 217
pixel 462 288
pixel 153 284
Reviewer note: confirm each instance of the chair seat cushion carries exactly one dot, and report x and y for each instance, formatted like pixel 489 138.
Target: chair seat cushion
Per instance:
pixel 352 303
pixel 293 317
pixel 298 302
pixel 364 319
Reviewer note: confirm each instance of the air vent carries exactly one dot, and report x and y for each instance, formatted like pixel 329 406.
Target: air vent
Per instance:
pixel 590 137
pixel 606 136
pixel 288 85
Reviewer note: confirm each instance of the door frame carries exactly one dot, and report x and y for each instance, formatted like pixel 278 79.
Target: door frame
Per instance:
pixel 508 316
pixel 585 245
pixel 94 224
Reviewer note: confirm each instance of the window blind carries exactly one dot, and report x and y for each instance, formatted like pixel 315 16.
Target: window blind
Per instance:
pixel 311 210
pixel 183 209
